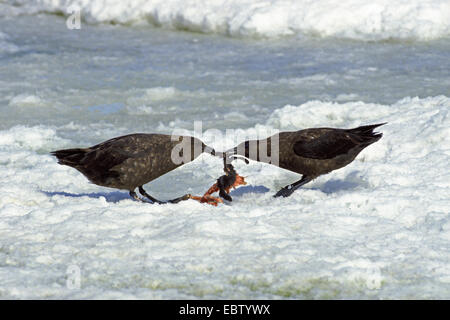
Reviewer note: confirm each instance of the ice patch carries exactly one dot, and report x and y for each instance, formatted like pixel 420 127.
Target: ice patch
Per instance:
pixel 355 19
pixel 346 97
pixel 323 79
pixel 319 113
pixel 30 138
pixel 25 100
pixel 160 93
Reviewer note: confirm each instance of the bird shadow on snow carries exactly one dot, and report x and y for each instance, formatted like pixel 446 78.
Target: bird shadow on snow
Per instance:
pixel 351 182
pixel 115 196
pixel 248 189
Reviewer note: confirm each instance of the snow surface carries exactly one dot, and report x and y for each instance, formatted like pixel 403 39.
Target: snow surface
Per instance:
pixel 355 19
pixel 378 228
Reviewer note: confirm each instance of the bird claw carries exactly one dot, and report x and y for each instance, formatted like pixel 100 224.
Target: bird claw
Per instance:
pixel 182 198
pixel 285 192
pixel 186 196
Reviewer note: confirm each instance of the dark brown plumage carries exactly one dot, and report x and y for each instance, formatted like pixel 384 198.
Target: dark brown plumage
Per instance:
pixel 310 152
pixel 128 162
